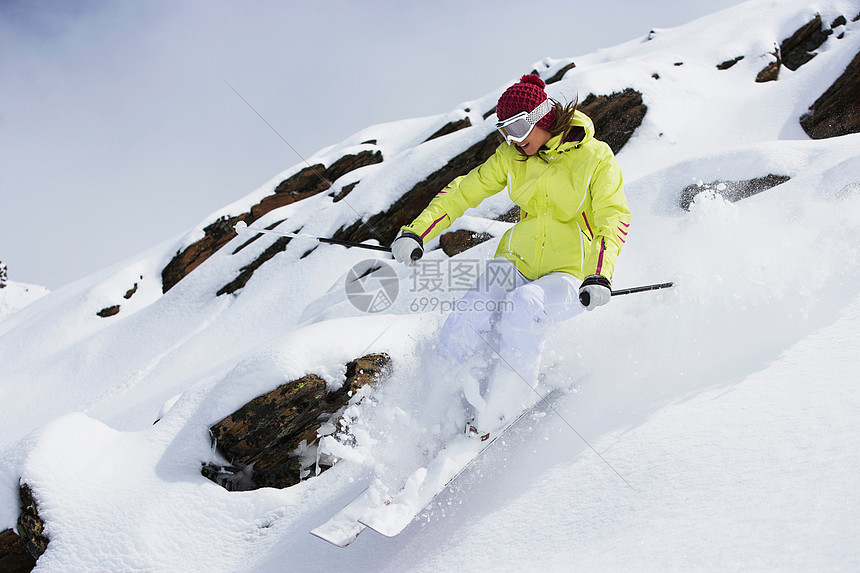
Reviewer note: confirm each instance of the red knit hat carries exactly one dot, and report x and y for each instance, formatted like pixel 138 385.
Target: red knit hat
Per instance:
pixel 524 95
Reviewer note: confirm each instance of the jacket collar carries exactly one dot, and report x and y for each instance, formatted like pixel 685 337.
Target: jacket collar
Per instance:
pixel 579 120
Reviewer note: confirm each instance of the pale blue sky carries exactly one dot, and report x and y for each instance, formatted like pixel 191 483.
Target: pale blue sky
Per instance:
pixel 117 131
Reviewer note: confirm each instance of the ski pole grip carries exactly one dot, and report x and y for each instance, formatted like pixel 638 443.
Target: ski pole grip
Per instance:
pixel 584 298
pixel 417 253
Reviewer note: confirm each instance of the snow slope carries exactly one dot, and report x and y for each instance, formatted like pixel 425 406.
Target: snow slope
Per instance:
pixel 712 426
pixel 14 296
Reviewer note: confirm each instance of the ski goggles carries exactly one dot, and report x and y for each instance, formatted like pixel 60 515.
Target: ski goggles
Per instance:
pixel 517 127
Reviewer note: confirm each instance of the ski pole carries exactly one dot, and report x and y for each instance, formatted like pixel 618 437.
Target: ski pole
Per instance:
pixel 643 288
pixel 584 298
pixel 241 227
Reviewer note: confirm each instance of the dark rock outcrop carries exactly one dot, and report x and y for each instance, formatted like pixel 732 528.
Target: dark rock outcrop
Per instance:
pixel 729 63
pixel 264 440
pixel 30 526
pixel 109 311
pixel 837 111
pixel 245 274
pixel 306 183
pixel 559 75
pixel 451 128
pixel 770 73
pixel 344 191
pixel 797 49
pixel 311 181
pixel 14 557
pixel 512 215
pixel 455 242
pixel 384 225
pixel 215 236
pixel 732 190
pixel 800 47
pixel 130 292
pixel 113 310
pixel 615 116
pixel 256 236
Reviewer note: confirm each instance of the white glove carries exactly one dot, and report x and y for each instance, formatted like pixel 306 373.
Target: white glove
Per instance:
pixel 595 291
pixel 407 248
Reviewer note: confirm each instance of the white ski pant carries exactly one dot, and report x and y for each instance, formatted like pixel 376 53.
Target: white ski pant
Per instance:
pixel 503 319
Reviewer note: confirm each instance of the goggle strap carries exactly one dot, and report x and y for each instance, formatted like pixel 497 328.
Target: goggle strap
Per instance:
pixel 537 113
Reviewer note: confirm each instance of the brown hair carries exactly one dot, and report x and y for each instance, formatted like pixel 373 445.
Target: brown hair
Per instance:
pixel 561 122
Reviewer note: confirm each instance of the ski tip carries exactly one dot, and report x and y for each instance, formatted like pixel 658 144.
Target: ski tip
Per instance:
pixel 385 532
pixel 342 540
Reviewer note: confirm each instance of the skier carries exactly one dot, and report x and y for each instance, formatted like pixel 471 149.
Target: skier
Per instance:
pixel 573 223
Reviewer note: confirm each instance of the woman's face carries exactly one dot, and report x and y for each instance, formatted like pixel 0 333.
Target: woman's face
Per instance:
pixel 535 140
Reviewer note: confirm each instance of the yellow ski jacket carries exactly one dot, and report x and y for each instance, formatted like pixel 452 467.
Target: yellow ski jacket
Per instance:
pixel 573 213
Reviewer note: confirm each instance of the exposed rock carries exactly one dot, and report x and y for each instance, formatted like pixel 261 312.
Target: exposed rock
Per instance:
pixel 267 439
pixel 305 183
pixel 308 252
pixel 30 525
pixel 559 75
pixel 215 236
pixel 729 63
pixel 837 111
pixel 245 274
pixel 256 236
pixel 14 557
pixel 615 116
pixel 384 225
pixel 511 216
pixel 797 49
pixel 455 242
pixel 130 292
pixel 114 310
pixel 770 73
pixel 345 190
pixel 312 180
pixel 732 190
pixel 109 311
pixel 451 128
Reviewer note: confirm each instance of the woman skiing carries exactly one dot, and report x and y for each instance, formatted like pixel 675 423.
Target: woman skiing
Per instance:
pixel 573 223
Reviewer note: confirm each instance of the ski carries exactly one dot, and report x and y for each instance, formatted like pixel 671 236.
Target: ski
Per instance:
pixel 427 483
pixel 343 527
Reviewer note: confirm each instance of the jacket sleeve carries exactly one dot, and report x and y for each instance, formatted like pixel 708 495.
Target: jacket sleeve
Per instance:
pixel 611 218
pixel 464 192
